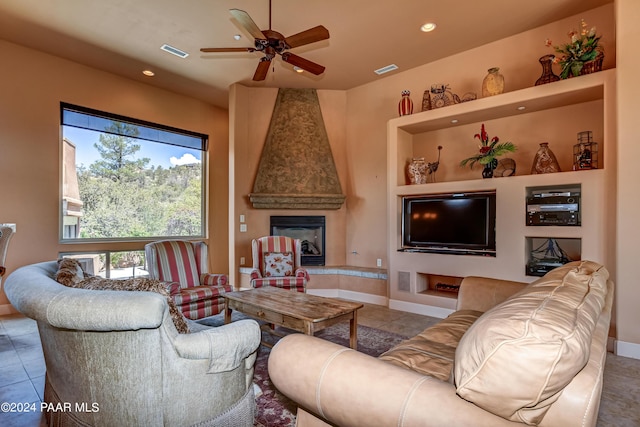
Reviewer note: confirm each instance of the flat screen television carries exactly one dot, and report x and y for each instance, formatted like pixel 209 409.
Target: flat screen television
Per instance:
pixel 452 223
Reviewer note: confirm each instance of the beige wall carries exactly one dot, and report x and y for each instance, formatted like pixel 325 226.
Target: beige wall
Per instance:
pixel 628 233
pixel 32 85
pixel 250 114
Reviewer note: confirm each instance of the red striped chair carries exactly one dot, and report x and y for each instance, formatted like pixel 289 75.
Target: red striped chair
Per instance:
pixel 276 262
pixel 184 266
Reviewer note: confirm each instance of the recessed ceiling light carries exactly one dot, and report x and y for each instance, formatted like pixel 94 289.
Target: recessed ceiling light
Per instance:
pixel 148 73
pixel 522 107
pixel 429 26
pixel 454 121
pixel 386 69
pixel 298 69
pixel 174 51
pixel 237 37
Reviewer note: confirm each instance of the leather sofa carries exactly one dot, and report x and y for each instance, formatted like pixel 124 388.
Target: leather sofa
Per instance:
pixel 512 353
pixel 115 358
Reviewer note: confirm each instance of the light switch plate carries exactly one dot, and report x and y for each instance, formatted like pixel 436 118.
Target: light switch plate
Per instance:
pixel 243 228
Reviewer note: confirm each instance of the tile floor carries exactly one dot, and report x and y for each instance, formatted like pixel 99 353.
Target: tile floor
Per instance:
pixel 22 368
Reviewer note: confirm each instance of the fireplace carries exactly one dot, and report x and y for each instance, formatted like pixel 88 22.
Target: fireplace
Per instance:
pixel 309 229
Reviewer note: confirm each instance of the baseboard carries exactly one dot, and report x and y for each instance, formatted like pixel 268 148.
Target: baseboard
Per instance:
pixel 627 349
pixel 425 310
pixel 349 295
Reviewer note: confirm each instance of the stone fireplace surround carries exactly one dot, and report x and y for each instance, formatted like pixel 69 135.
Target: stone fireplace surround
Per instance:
pixel 296 169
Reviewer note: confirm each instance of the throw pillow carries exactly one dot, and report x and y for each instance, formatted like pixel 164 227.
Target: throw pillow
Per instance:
pixel 278 264
pixel 516 359
pixel 70 266
pixel 69 272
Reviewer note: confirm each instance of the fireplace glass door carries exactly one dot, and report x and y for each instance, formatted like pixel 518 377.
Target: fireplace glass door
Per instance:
pixel 309 229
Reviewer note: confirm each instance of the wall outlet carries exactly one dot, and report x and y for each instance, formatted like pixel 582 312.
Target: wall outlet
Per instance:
pixel 379 262
pixel 242 260
pixel 243 228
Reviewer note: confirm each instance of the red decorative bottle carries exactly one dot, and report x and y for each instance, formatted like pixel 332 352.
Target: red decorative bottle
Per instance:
pixel 405 106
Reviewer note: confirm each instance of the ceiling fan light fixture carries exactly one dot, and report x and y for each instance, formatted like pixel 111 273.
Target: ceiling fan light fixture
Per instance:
pixel 386 69
pixel 270 43
pixel 297 69
pixel 174 51
pixel 428 27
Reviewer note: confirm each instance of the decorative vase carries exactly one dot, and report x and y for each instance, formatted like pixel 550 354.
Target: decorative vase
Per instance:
pixel 544 161
pixel 493 83
pixel 487 171
pixel 405 106
pixel 417 171
pixel 426 101
pixel 547 71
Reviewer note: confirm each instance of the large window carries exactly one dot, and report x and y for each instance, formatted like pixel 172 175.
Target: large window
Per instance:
pixel 125 179
pixel 111 264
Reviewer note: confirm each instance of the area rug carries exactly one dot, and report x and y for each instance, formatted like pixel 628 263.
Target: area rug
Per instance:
pixel 276 410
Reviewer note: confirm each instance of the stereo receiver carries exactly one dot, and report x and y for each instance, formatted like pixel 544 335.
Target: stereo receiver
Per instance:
pixel 554 208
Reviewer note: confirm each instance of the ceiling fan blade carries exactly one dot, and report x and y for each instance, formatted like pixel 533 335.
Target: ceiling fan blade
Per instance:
pixel 305 64
pixel 262 70
pixel 248 24
pixel 227 49
pixel 311 35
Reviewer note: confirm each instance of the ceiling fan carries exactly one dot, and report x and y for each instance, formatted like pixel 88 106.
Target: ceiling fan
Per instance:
pixel 271 42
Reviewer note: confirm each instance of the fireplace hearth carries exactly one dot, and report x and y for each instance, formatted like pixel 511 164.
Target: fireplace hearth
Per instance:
pixel 309 229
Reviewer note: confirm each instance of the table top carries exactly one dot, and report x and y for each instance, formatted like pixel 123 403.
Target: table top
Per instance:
pixel 312 308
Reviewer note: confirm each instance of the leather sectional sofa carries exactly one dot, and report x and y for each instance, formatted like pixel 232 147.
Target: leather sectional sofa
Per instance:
pixel 512 353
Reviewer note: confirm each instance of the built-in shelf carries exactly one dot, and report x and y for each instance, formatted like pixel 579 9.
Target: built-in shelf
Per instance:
pixel 546 253
pixel 538 98
pixel 438 285
pixel 561 109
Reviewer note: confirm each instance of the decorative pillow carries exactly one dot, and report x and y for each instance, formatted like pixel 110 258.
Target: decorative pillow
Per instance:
pixel 69 272
pixel 278 264
pixel 136 284
pixel 516 359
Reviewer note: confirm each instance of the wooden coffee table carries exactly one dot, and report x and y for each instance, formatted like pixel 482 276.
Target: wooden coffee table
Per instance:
pixel 294 310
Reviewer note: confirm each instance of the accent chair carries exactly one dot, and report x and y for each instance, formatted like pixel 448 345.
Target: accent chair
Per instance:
pixel 117 357
pixel 184 265
pixel 276 262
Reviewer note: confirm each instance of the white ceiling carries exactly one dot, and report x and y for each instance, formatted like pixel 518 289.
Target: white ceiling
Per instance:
pixel 124 36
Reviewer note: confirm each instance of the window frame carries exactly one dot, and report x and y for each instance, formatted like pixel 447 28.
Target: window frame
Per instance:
pixel 148 125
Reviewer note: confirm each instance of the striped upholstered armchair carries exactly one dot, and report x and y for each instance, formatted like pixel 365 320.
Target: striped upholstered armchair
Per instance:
pixel 184 265
pixel 276 262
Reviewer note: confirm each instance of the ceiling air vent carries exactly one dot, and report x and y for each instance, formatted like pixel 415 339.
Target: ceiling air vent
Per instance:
pixel 386 69
pixel 174 50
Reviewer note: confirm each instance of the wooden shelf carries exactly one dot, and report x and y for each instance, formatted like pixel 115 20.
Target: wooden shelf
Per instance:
pixel 537 98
